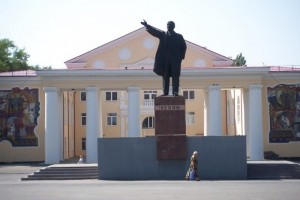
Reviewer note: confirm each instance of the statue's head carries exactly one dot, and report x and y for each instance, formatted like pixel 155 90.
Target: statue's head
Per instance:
pixel 171 26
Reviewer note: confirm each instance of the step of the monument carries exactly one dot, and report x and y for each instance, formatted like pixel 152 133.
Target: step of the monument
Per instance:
pixel 33 178
pixel 69 169
pixel 64 173
pixel 273 171
pixel 67 172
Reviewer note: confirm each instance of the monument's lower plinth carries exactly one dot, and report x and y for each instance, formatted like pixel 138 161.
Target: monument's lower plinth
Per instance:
pixel 220 158
pixel 166 155
pixel 171 147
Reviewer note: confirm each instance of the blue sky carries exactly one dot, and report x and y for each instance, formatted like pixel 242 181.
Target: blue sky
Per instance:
pixel 53 31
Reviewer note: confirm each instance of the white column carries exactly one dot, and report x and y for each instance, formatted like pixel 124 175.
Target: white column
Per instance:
pixel 134 124
pixel 53 132
pixel 92 124
pixel 246 118
pixel 255 123
pixel 214 111
pixel 61 124
pixel 205 117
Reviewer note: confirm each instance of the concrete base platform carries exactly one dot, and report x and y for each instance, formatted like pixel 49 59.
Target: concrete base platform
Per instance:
pixel 220 158
pixel 273 169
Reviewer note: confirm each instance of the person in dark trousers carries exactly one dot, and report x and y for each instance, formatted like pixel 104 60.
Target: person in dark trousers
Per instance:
pixel 170 52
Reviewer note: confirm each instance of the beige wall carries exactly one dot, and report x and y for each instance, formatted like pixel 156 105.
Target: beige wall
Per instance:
pixel 80 130
pixel 197 106
pixel 110 131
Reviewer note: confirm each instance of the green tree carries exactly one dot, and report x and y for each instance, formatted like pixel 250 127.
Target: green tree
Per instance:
pixel 239 60
pixel 14 59
pixel 37 67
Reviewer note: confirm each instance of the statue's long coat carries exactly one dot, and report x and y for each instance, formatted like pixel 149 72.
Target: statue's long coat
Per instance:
pixel 172 53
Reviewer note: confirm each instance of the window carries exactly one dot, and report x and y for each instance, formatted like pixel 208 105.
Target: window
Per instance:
pixel 83 96
pixel 111 96
pixel 112 119
pixel 150 95
pixel 189 94
pixel 148 122
pixel 83 143
pixel 190 118
pixel 83 119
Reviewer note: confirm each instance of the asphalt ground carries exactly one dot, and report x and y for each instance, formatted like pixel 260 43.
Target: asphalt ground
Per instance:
pixel 12 188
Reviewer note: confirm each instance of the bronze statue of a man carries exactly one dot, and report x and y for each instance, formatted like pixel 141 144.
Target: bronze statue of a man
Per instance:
pixel 171 51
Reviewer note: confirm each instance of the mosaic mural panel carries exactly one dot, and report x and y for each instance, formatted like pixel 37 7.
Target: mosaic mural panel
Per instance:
pixel 284 111
pixel 19 110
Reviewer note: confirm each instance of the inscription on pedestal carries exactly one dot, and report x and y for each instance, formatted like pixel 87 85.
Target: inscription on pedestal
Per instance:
pixel 169 107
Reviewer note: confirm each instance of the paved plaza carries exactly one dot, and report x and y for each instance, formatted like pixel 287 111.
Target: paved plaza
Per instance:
pixel 12 188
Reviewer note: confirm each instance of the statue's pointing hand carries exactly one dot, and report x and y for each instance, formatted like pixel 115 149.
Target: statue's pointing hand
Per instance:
pixel 144 23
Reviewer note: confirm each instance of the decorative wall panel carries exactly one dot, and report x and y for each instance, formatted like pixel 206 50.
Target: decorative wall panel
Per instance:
pixel 284 111
pixel 19 110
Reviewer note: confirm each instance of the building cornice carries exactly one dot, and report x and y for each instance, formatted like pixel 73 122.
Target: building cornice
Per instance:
pixel 222 71
pixel 146 79
pixel 290 75
pixel 19 80
pixel 145 72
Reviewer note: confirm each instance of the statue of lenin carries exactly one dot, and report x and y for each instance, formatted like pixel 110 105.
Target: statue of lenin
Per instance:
pixel 171 51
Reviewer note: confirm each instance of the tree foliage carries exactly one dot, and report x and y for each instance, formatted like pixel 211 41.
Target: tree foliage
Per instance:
pixel 14 59
pixel 239 60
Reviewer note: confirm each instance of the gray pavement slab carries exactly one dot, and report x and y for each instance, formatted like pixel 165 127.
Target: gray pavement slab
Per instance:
pixel 12 188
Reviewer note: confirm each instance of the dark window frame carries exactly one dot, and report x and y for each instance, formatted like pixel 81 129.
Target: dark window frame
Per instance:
pixel 111 96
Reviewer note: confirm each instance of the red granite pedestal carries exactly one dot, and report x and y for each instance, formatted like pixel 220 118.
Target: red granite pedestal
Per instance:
pixel 170 129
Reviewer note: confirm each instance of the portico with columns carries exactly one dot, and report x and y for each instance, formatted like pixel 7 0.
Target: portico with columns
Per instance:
pixel 132 83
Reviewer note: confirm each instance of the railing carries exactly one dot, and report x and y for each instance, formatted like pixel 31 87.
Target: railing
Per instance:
pixel 148 102
pixel 284 69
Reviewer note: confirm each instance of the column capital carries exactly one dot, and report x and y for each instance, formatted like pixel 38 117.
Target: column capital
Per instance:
pixel 92 88
pixel 133 88
pixel 214 86
pixel 51 89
